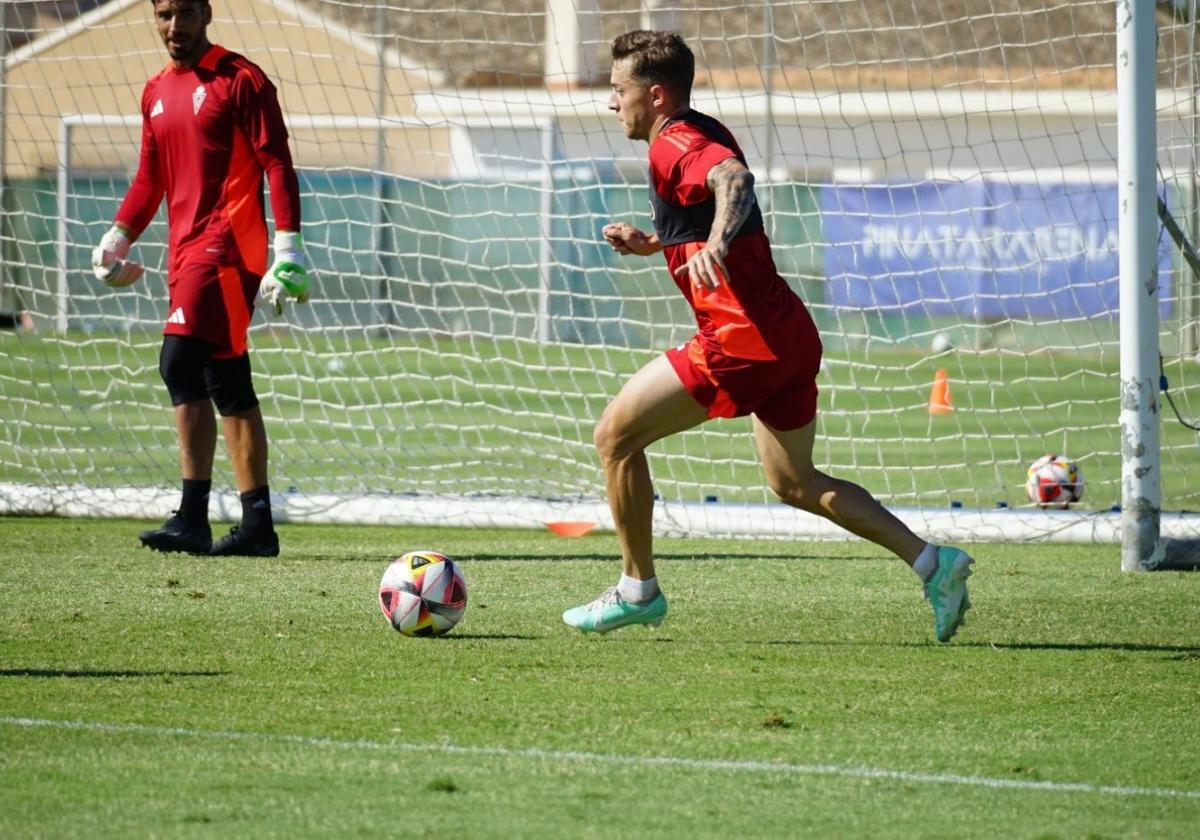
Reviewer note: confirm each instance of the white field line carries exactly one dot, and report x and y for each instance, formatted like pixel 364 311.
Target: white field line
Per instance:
pixel 575 757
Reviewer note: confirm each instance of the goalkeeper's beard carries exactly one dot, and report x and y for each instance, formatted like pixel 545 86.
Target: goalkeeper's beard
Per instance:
pixel 187 51
pixel 182 51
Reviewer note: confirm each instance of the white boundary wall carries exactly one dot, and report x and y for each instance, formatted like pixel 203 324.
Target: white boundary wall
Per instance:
pixel 817 134
pixel 670 518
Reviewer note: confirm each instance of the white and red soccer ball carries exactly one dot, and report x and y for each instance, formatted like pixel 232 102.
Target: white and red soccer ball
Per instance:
pixel 423 593
pixel 1054 481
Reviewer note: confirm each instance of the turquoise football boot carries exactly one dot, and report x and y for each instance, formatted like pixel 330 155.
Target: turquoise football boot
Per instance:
pixel 610 611
pixel 947 591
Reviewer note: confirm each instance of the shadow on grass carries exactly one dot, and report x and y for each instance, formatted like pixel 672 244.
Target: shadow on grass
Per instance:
pixel 83 672
pixel 1126 647
pixel 614 557
pixel 504 637
pixel 607 557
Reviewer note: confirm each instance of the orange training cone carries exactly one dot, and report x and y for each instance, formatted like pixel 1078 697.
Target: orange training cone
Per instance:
pixel 939 395
pixel 570 529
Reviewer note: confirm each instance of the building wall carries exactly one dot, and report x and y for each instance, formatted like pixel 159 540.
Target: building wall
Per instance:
pixel 102 68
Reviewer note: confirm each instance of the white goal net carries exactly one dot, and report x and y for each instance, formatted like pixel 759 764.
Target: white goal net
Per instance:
pixel 938 181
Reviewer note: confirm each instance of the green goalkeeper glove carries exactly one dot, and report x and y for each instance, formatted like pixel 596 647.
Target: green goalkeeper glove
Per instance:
pixel 288 275
pixel 109 262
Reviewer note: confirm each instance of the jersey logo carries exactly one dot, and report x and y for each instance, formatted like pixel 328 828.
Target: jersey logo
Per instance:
pixel 176 317
pixel 157 109
pixel 680 143
pixel 198 99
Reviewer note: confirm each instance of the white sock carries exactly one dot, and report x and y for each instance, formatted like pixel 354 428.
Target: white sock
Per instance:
pixel 637 591
pixel 926 563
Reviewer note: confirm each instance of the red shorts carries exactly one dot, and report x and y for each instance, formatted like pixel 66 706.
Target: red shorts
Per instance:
pixel 781 393
pixel 213 303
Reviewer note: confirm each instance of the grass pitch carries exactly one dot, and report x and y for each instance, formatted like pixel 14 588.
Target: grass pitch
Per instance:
pixel 795 689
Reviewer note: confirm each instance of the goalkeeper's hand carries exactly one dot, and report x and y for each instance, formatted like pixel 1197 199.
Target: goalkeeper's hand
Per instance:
pixel 109 262
pixel 288 275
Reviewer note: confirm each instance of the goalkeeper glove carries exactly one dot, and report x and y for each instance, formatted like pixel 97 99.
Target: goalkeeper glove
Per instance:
pixel 288 275
pixel 109 262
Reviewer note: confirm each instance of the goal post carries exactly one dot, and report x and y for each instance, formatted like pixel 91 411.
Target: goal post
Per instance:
pixel 943 190
pixel 544 126
pixel 1137 149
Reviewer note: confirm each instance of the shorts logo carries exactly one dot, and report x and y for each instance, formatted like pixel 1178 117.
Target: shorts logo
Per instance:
pixel 176 317
pixel 198 99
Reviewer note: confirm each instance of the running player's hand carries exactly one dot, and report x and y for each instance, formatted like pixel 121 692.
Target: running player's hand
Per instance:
pixel 288 275
pixel 705 268
pixel 109 262
pixel 626 239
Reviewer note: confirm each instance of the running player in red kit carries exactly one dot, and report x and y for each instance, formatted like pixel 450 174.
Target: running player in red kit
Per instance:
pixel 756 352
pixel 212 130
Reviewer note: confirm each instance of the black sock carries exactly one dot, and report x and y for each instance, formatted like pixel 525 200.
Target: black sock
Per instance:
pixel 256 510
pixel 194 504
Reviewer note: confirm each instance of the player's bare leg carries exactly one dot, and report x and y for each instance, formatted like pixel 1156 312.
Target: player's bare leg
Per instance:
pixel 652 405
pixel 246 441
pixel 787 462
pixel 196 428
pixel 188 529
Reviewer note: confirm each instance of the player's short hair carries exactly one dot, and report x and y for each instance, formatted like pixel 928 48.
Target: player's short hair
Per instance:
pixel 658 58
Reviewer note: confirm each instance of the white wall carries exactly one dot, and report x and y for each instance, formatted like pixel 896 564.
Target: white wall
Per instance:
pixel 880 135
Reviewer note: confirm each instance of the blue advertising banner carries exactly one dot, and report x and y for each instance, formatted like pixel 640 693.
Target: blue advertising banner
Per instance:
pixel 982 250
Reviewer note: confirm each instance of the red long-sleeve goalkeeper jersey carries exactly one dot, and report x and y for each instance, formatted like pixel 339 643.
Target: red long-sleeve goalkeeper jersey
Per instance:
pixel 209 135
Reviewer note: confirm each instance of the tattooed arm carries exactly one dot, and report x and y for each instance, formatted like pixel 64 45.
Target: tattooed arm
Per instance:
pixel 733 189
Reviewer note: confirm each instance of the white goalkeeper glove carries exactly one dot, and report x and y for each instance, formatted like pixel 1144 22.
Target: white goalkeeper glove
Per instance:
pixel 288 275
pixel 109 262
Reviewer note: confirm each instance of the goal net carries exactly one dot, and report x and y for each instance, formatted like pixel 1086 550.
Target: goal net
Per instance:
pixel 938 181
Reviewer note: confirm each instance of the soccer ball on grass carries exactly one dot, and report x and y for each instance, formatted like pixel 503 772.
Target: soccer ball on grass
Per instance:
pixel 1054 481
pixel 423 593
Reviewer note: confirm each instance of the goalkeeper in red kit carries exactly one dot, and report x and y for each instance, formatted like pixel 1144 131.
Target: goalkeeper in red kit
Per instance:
pixel 212 132
pixel 756 351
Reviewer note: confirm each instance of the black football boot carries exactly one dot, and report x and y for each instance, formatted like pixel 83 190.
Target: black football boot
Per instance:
pixel 179 534
pixel 242 543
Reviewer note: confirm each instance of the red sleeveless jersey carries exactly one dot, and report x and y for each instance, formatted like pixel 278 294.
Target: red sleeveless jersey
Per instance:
pixel 754 315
